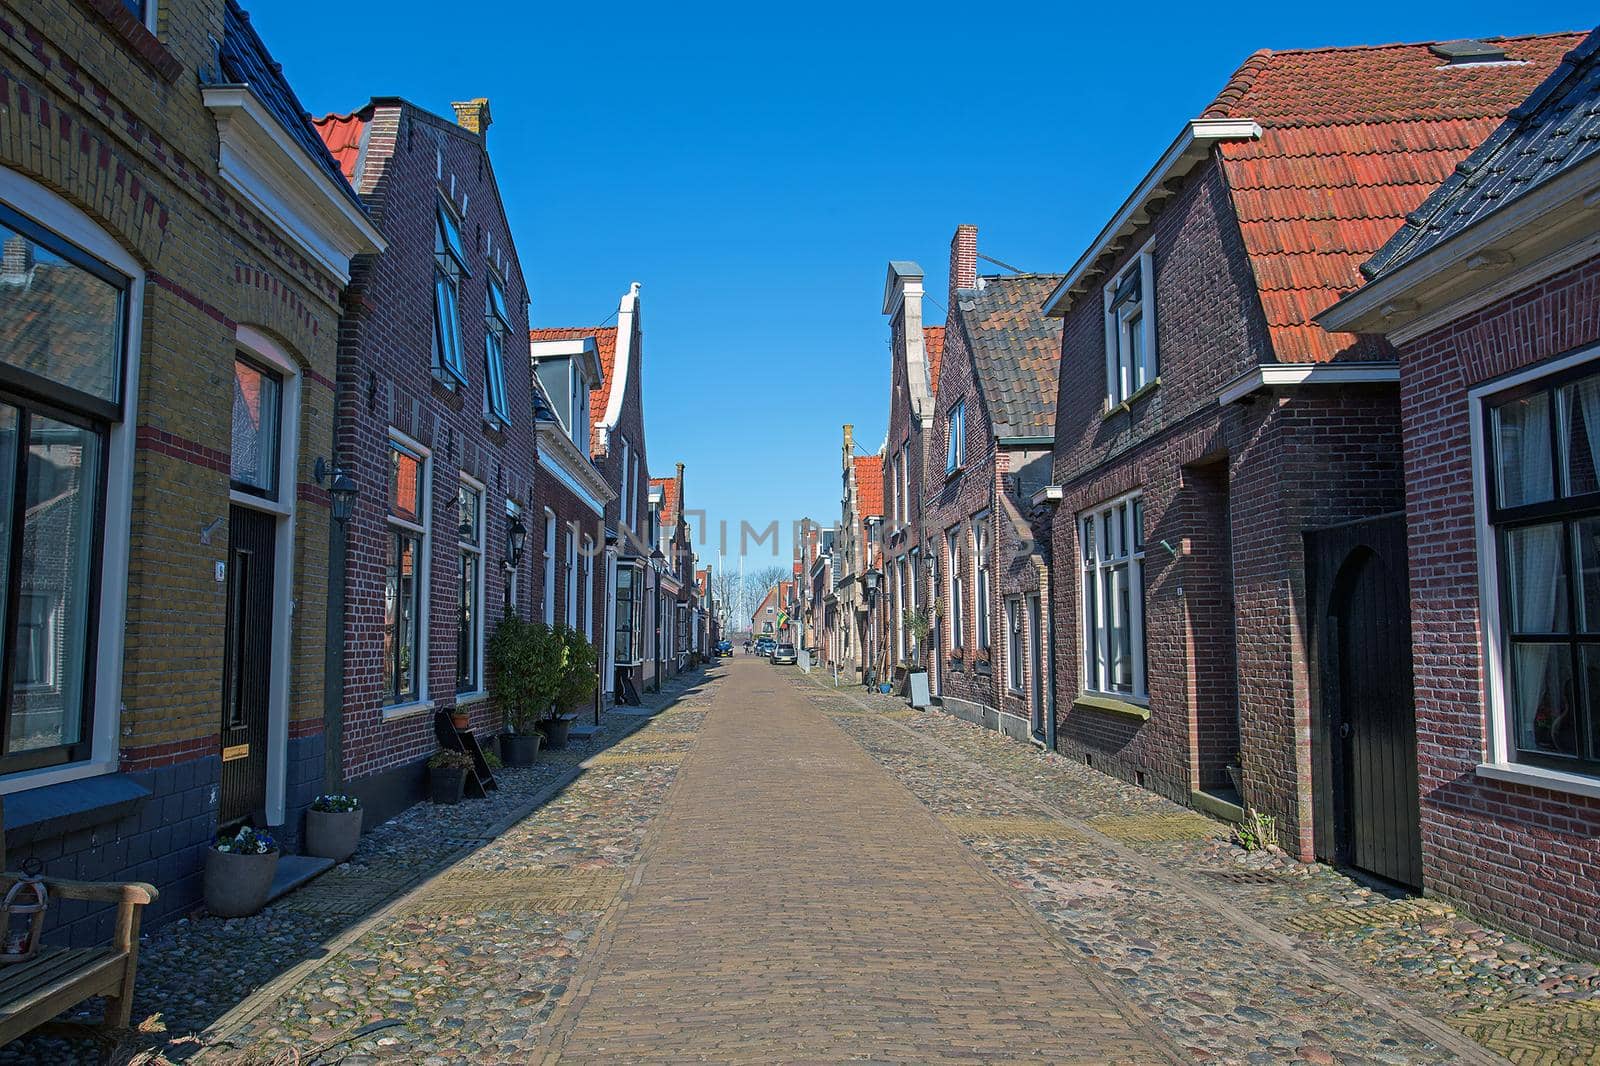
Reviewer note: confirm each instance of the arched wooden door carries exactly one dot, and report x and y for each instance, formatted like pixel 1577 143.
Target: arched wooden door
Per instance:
pixel 1369 719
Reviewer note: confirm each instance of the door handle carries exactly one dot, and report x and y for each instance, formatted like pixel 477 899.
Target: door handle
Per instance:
pixel 1344 730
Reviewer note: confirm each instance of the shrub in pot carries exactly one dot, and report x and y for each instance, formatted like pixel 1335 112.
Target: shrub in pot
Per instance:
pixel 447 775
pixel 575 684
pixel 239 871
pixel 333 827
pixel 524 673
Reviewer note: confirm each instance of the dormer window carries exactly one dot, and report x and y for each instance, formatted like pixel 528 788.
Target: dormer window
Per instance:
pixel 497 324
pixel 449 267
pixel 1131 363
pixel 956 438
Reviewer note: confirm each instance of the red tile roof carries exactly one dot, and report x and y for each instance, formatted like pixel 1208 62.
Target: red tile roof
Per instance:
pixel 342 135
pixel 1352 140
pixel 869 486
pixel 933 343
pixel 605 339
pixel 669 500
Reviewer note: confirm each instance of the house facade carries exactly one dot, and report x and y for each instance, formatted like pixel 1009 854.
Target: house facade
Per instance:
pixel 1491 293
pixel 169 299
pixel 436 421
pixel 1218 457
pixel 993 419
pixel 674 564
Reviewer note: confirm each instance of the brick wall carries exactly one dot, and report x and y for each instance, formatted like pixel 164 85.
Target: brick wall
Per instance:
pixel 386 382
pixel 1523 857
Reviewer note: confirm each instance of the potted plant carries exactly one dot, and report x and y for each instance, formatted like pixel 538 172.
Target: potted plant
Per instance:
pixel 447 775
pixel 524 669
pixel 239 871
pixel 461 718
pixel 575 684
pixel 333 826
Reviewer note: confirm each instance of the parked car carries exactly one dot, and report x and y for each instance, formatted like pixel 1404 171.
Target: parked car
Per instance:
pixel 764 645
pixel 783 655
pixel 724 648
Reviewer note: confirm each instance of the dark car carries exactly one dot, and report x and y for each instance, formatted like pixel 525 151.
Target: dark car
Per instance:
pixel 764 645
pixel 783 655
pixel 724 648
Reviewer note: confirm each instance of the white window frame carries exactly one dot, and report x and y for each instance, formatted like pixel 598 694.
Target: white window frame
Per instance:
pixel 478 549
pixel 549 567
pixel 570 581
pixel 424 531
pixel 588 588
pixel 1125 511
pixel 1499 759
pixel 624 512
pixel 982 600
pixel 56 214
pixel 496 332
pixel 513 584
pixel 956 437
pixel 1016 647
pixel 450 267
pixel 957 587
pixel 1123 380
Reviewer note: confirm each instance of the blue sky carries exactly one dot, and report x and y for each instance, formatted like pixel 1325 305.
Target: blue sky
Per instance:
pixel 755 167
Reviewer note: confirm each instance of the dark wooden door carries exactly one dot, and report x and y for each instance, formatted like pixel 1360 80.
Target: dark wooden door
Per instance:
pixel 247 664
pixel 1036 668
pixel 1368 715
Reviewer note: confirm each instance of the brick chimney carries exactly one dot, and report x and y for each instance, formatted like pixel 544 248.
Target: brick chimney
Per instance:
pixel 474 115
pixel 963 260
pixel 17 258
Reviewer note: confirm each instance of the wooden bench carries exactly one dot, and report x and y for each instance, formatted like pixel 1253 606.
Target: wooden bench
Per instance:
pixel 34 992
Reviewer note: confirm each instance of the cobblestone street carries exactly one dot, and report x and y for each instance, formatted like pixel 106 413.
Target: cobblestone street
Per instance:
pixel 773 870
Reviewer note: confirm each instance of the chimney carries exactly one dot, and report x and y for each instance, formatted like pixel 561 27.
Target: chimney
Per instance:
pixel 849 439
pixel 963 260
pixel 17 258
pixel 680 493
pixel 474 115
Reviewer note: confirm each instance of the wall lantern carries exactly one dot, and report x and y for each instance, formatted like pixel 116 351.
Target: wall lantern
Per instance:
pixel 342 490
pixel 516 537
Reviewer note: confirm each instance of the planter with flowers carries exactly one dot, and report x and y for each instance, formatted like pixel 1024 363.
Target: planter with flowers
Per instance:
pixel 447 775
pixel 333 827
pixel 239 872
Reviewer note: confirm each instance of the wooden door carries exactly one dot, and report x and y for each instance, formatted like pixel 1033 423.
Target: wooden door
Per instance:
pixel 247 664
pixel 1036 661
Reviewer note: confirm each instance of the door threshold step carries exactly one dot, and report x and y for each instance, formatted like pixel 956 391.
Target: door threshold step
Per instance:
pixel 295 871
pixel 583 732
pixel 1217 806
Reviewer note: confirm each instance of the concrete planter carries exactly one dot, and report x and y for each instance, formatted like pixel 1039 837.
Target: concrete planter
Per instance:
pixel 519 749
pixel 333 834
pixel 236 885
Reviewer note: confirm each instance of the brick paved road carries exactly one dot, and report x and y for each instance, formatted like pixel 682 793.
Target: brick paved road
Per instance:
pixel 795 903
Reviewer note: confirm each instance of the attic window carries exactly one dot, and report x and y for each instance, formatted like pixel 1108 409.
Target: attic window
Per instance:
pixel 1463 53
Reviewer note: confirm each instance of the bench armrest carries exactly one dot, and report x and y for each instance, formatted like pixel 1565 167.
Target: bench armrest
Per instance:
pixel 135 892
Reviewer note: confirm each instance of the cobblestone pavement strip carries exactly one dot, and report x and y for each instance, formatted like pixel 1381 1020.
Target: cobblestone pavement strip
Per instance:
pixel 194 971
pixel 1215 986
pixel 795 904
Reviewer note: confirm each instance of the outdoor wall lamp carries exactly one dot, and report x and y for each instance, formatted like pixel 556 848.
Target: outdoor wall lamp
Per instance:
pixel 516 537
pixel 342 490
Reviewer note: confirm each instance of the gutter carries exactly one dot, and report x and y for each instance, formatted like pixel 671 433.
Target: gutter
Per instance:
pixel 1193 146
pixel 1293 375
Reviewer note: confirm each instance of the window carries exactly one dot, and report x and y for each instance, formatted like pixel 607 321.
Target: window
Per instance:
pixel 449 267
pixel 497 327
pixel 956 438
pixel 469 587
pixel 1544 510
pixel 587 561
pixel 257 413
pixel 630 617
pixel 1131 362
pixel 572 580
pixel 623 501
pixel 958 599
pixel 549 567
pixel 980 552
pixel 62 320
pixel 578 424
pixel 404 634
pixel 512 584
pixel 1112 542
pixel 1014 666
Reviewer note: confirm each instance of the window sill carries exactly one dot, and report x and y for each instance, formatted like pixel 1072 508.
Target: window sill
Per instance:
pixel 446 379
pixel 69 806
pixel 1112 705
pixel 471 699
pixel 140 41
pixel 396 711
pixel 1541 777
pixel 1126 406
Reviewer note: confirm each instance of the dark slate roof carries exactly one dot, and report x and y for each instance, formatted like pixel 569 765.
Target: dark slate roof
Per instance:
pixel 244 60
pixel 1552 131
pixel 1016 350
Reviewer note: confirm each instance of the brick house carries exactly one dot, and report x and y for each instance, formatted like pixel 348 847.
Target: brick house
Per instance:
pixel 771 617
pixel 990 444
pixel 1215 449
pixel 1491 293
pixel 175 240
pixel 914 380
pixel 671 539
pixel 443 443
pixel 570 493
pixel 617 450
pixel 859 559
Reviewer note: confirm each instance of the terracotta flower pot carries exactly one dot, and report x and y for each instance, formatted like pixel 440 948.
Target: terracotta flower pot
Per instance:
pixel 237 885
pixel 333 834
pixel 461 720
